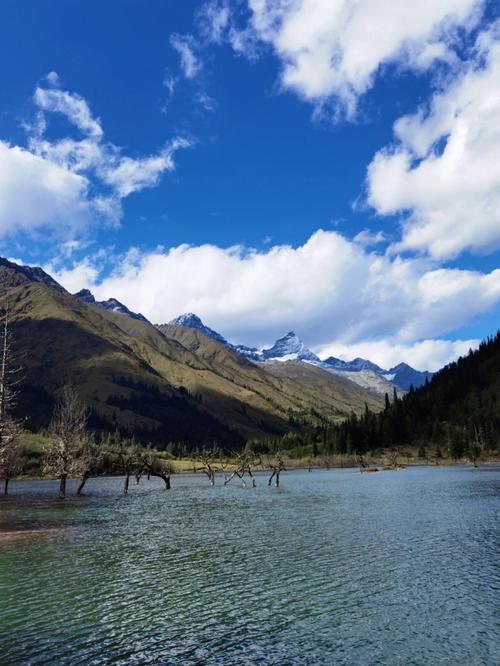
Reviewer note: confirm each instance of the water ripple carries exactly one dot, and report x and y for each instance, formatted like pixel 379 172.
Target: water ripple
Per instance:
pixel 335 568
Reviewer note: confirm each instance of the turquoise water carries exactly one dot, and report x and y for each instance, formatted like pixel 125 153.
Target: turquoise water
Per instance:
pixel 333 568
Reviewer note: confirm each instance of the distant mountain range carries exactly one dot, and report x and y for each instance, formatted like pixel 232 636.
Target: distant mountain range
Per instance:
pixel 172 383
pixel 291 348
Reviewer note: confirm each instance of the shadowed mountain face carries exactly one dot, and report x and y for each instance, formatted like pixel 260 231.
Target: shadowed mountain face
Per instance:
pixel 143 382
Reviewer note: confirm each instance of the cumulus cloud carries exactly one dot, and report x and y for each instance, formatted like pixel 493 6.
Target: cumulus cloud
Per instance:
pixel 444 169
pixel 35 192
pixel 68 184
pixel 330 290
pixel 422 355
pixel 331 50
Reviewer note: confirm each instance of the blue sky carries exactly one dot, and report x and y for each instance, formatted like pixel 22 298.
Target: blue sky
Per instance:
pixel 221 137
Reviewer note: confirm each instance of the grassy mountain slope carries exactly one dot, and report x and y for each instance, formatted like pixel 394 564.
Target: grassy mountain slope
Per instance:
pixel 299 386
pixel 317 386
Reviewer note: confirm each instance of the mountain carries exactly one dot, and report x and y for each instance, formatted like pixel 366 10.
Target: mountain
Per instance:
pixel 289 347
pixel 405 376
pixel 401 376
pixel 33 274
pixel 356 365
pixel 191 320
pixel 136 378
pixel 111 304
pixel 361 371
pixel 303 387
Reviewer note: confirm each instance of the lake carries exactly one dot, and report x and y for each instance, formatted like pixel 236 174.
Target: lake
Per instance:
pixel 333 568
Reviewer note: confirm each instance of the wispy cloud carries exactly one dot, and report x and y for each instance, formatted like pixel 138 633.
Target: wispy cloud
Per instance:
pixel 186 46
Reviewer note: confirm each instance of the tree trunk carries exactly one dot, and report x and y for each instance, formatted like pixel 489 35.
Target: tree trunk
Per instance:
pixel 125 484
pixel 62 486
pixel 82 484
pixel 6 487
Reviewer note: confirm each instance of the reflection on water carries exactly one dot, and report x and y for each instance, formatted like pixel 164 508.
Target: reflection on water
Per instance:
pixel 334 568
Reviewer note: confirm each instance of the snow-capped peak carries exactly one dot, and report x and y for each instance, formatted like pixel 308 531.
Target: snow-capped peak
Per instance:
pixel 289 347
pixel 190 320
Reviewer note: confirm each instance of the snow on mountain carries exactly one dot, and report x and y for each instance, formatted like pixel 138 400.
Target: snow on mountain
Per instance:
pixel 111 304
pixel 356 365
pixel 251 353
pixel 291 348
pixel 190 320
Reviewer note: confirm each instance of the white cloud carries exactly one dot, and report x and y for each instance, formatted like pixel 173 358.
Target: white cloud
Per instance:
pixel 330 290
pixel 71 105
pixel 422 355
pixel 35 192
pixel 368 238
pixel 331 50
pixel 444 169
pixel 128 175
pixel 213 19
pixel 204 100
pixel 185 45
pixel 69 184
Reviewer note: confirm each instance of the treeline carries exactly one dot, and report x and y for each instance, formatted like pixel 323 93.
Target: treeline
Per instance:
pixel 456 414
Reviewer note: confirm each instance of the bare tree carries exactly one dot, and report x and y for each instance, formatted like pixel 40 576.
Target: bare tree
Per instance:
pixel 10 428
pixel 92 461
pixel 206 458
pixel 156 466
pixel 11 458
pixel 393 458
pixel 364 467
pixel 64 453
pixel 276 465
pixel 244 464
pixel 127 458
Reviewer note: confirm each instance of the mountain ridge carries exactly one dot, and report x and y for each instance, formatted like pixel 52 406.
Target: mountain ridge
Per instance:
pixel 290 347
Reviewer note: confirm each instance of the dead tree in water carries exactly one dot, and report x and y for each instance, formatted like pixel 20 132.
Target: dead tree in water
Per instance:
pixel 155 466
pixel 244 464
pixel 11 458
pixel 276 466
pixel 393 459
pixel 68 437
pixel 360 461
pixel 206 458
pixel 93 462
pixel 10 428
pixel 126 456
